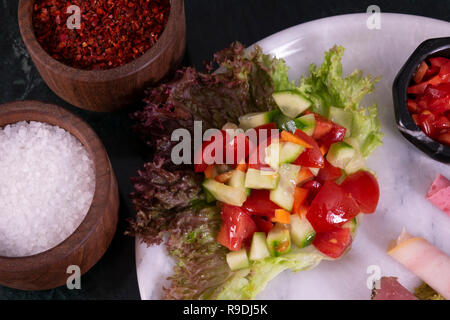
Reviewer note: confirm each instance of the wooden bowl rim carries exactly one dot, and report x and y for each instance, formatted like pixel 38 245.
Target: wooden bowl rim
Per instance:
pixel 27 31
pixel 36 111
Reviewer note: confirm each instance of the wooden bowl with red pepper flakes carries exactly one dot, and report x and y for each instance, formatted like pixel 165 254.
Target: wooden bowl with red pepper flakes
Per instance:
pixel 427 126
pixel 120 48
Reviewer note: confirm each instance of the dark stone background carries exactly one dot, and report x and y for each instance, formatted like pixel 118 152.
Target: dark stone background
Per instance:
pixel 211 25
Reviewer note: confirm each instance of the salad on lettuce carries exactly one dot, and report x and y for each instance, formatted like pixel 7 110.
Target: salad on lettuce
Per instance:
pixel 291 197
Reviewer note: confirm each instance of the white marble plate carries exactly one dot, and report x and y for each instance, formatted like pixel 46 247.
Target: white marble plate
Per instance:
pixel 404 172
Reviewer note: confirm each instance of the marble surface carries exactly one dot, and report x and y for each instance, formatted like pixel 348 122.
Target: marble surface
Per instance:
pixel 211 26
pixel 404 172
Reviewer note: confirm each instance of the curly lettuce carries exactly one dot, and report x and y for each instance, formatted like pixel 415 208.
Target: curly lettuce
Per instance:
pixel 326 87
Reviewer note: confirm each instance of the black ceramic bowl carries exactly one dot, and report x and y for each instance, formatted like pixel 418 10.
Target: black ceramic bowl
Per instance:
pixel 439 47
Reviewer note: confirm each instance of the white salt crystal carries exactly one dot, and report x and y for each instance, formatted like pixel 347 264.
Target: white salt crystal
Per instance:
pixel 47 184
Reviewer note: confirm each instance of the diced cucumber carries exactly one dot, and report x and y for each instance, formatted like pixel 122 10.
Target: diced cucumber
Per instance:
pixel 209 196
pixel 314 171
pixel 253 120
pixel 237 180
pixel 352 225
pixel 302 233
pixel 283 194
pixel 289 152
pixel 343 118
pixel 261 179
pixel 272 155
pixel 224 193
pixel 237 260
pixel 357 163
pixel 306 123
pixel 258 249
pixel 340 154
pixel 279 240
pixel 291 103
pixel 283 122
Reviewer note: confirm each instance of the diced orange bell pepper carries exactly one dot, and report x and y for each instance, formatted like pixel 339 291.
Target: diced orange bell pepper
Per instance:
pixel 300 197
pixel 209 172
pixel 282 216
pixel 242 167
pixel 304 175
pixel 324 149
pixel 289 137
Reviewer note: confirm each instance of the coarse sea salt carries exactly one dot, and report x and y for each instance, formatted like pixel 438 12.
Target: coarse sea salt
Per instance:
pixel 47 184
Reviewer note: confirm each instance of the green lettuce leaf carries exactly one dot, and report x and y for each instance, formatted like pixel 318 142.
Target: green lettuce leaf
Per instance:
pixel 326 87
pixel 246 284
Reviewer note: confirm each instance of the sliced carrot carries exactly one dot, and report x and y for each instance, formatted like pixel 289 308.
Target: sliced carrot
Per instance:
pixel 300 197
pixel 324 149
pixel 224 177
pixel 282 216
pixel 289 137
pixel 209 172
pixel 304 175
pixel 242 167
pixel 423 68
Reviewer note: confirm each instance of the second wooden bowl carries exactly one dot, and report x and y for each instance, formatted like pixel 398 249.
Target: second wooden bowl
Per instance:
pixel 90 240
pixel 108 90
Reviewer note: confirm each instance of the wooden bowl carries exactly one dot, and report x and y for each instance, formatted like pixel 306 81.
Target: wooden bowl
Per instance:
pixel 90 240
pixel 108 90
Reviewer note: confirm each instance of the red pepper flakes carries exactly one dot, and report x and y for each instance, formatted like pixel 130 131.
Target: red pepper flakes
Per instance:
pixel 112 33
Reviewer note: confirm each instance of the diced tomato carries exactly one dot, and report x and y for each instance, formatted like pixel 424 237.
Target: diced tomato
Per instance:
pixel 223 236
pixel 444 73
pixel 420 88
pixel 265 132
pixel 438 91
pixel 201 161
pixel 363 187
pixel 336 134
pixel 412 106
pixel 331 208
pixel 262 224
pixel 233 150
pixel 237 149
pixel 264 137
pixel 438 61
pixel 239 227
pixel 444 138
pixel 329 173
pixel 259 203
pixel 323 126
pixel 442 123
pixel 333 243
pixel 313 187
pixel 426 123
pixel 311 157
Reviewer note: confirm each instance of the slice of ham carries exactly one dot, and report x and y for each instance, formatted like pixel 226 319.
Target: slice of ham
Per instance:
pixel 391 289
pixel 425 260
pixel 439 193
